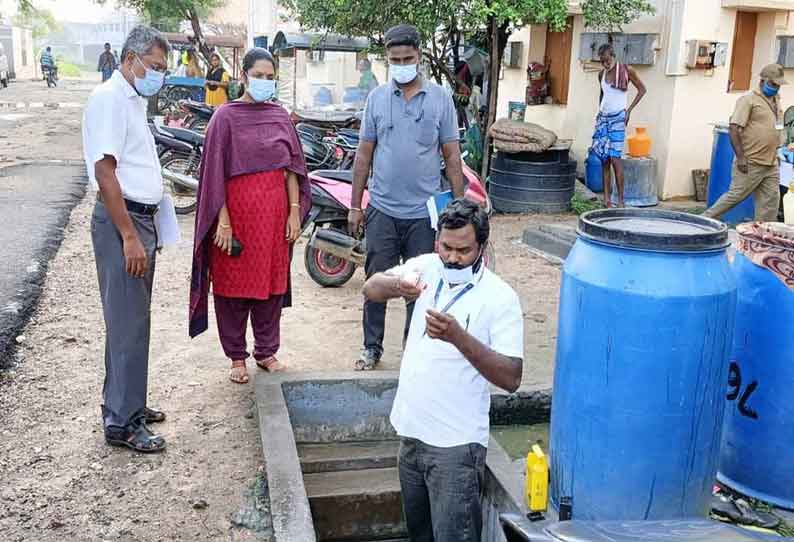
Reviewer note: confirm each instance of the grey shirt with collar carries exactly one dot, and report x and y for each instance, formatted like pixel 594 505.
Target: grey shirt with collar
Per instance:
pixel 406 166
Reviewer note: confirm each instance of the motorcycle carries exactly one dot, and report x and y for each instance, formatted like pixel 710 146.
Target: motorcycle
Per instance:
pixel 179 151
pixel 198 115
pixel 332 254
pixel 50 74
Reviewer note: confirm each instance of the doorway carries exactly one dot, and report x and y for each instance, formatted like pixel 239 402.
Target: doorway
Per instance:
pixel 743 51
pixel 558 61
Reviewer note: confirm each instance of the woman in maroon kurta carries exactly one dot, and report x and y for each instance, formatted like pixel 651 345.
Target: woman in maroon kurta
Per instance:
pixel 253 194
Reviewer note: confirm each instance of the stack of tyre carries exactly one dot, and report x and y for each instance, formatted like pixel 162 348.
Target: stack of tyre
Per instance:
pixel 531 182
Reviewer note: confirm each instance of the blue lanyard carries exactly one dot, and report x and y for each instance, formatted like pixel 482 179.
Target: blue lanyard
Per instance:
pixel 452 301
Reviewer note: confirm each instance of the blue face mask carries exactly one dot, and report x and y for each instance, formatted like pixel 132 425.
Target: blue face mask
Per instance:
pixel 151 83
pixel 262 90
pixel 769 90
pixel 403 74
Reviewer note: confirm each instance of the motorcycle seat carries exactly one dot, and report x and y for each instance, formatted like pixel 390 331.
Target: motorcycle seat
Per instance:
pixel 199 107
pixel 183 134
pixel 341 175
pixel 311 130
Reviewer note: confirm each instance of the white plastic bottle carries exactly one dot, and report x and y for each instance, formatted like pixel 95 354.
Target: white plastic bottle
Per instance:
pixel 788 206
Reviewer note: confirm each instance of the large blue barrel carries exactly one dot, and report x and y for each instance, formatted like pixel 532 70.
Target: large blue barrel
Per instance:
pixel 646 319
pixel 759 422
pixel 722 156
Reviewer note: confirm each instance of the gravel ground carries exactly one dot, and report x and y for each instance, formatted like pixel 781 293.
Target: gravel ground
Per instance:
pixel 61 482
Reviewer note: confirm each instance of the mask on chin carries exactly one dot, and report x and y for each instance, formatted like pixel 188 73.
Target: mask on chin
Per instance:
pixel 457 274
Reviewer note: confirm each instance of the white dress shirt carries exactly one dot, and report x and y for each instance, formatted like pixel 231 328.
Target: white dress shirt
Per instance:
pixel 114 123
pixel 442 400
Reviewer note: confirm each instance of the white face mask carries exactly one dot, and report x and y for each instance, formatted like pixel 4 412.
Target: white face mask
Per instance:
pixel 454 275
pixel 403 74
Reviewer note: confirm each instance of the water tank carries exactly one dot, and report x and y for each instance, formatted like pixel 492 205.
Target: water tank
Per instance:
pixel 646 318
pixel 639 182
pixel 594 172
pixel 518 186
pixel 758 437
pixel 722 156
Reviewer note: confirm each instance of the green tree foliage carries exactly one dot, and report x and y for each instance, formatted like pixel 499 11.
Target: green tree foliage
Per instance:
pixel 41 21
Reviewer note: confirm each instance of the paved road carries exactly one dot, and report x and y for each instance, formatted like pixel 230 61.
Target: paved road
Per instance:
pixel 35 202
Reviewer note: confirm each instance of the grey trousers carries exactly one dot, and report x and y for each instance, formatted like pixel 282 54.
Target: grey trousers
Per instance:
pixel 125 306
pixel 763 182
pixel 442 491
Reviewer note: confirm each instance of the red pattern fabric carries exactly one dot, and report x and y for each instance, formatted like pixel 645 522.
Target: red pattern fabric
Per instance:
pixel 258 209
pixel 769 245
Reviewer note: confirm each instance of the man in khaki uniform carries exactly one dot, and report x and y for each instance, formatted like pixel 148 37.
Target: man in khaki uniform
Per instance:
pixel 756 131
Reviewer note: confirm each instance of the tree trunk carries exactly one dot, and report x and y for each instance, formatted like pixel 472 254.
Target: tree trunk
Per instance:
pixel 199 35
pixel 498 35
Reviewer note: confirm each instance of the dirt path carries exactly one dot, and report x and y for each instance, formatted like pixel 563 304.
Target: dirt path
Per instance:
pixel 61 482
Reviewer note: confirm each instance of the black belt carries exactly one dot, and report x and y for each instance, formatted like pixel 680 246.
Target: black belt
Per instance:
pixel 135 207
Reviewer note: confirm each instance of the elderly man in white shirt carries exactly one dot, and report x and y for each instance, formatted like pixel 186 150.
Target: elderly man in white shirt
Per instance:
pixel 466 333
pixel 122 162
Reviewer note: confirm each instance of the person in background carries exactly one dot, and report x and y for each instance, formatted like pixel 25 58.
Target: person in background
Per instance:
pixel 756 133
pixel 253 196
pixel 192 67
pixel 466 333
pixel 48 61
pixel 107 63
pixel 216 91
pixel 613 117
pixel 122 162
pixel 406 123
pixel 367 82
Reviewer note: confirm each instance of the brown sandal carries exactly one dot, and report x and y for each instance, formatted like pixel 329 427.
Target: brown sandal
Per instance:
pixel 241 378
pixel 271 365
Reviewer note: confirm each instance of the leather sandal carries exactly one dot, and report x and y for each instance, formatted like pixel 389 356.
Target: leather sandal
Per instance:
pixel 243 376
pixel 153 416
pixel 135 437
pixel 271 365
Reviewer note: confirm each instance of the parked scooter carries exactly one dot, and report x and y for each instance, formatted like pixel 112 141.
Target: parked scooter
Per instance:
pixel 332 254
pixel 180 152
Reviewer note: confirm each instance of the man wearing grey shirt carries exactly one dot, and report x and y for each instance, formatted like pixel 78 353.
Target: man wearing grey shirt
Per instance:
pixel 408 124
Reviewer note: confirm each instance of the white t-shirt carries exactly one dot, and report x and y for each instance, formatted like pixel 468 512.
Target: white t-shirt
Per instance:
pixel 114 123
pixel 442 400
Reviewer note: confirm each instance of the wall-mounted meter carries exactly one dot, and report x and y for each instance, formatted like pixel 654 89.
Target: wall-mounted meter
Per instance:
pixel 705 54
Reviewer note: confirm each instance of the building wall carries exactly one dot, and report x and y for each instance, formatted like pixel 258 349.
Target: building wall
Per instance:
pixel 678 111
pixel 24 56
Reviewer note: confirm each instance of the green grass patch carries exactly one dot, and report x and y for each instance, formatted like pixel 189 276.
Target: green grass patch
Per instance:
pixel 67 69
pixel 581 205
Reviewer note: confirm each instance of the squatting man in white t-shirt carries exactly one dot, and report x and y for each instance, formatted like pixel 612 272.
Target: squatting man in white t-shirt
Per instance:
pixel 466 332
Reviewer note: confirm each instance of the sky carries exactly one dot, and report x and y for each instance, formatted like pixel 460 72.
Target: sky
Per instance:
pixel 71 10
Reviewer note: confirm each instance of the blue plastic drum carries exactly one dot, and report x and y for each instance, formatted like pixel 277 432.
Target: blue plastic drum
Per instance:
pixel 646 321
pixel 722 156
pixel 594 172
pixel 758 440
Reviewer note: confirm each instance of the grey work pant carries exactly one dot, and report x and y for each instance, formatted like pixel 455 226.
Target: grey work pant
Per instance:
pixel 125 305
pixel 442 491
pixel 390 240
pixel 762 182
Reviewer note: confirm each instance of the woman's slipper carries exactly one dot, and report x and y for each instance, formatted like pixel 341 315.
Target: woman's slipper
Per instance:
pixel 239 374
pixel 271 365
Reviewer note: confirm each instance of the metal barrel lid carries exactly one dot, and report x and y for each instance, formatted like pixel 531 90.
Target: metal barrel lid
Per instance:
pixel 654 230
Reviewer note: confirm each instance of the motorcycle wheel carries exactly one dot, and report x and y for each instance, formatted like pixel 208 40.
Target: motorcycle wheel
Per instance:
pixel 198 124
pixel 184 199
pixel 327 270
pixel 50 82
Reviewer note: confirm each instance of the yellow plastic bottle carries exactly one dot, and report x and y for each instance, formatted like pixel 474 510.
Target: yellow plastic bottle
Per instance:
pixel 788 206
pixel 537 480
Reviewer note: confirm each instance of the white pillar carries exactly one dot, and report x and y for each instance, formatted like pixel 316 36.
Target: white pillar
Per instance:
pixel 251 7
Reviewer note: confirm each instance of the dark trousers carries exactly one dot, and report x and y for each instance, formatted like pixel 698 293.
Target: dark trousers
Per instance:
pixel 442 491
pixel 126 305
pixel 390 240
pixel 232 315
